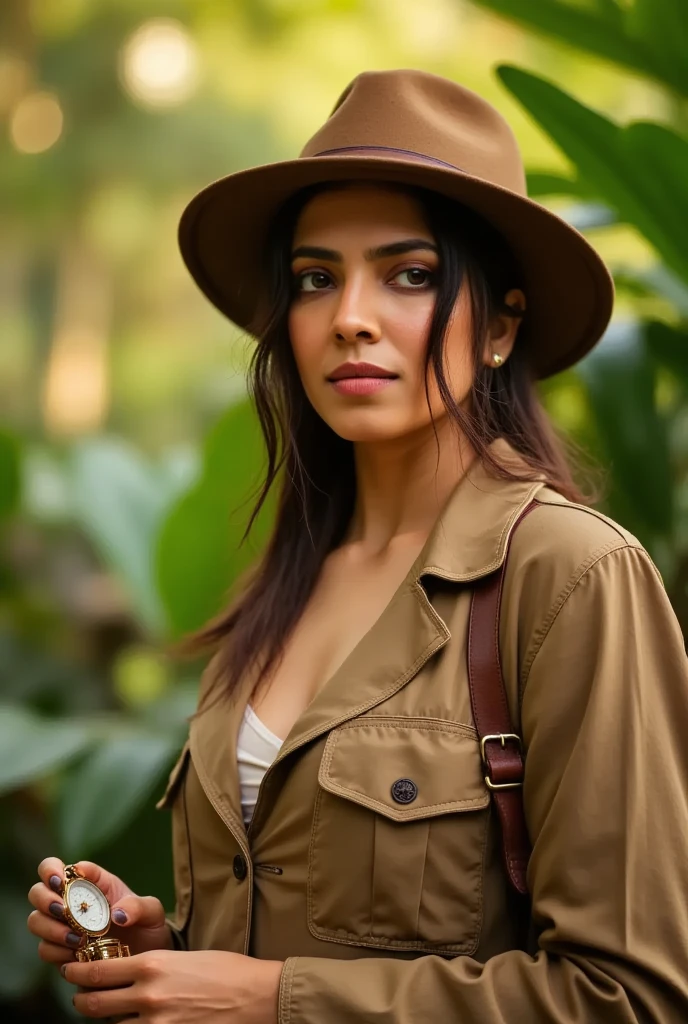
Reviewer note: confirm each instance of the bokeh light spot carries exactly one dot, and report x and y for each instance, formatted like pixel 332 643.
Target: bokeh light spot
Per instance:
pixel 36 122
pixel 140 676
pixel 159 63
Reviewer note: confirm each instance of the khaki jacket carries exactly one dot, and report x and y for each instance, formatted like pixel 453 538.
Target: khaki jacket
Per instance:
pixel 401 912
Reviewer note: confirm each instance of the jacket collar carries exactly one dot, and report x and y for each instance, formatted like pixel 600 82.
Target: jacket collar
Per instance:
pixel 471 534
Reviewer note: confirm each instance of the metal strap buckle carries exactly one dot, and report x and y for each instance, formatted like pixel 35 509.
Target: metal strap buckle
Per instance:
pixel 500 737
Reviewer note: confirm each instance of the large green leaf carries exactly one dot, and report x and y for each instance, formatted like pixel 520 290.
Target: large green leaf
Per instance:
pixel 669 346
pixel 19 963
pixel 662 28
pixel 610 10
pixel 106 789
pixel 620 376
pixel 120 498
pixel 31 747
pixel 640 171
pixel 10 472
pixel 198 554
pixel 654 280
pixel 656 160
pixel 603 33
pixel 545 183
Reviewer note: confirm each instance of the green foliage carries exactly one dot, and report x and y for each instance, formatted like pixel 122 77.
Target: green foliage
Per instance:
pixel 119 500
pixel 635 380
pixel 621 379
pixel 669 346
pixel 641 170
pixel 10 473
pixel 31 747
pixel 648 36
pixel 118 774
pixel 542 183
pixel 199 552
pixel 20 967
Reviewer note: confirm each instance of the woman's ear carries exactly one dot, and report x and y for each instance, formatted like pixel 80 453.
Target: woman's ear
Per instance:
pixel 503 330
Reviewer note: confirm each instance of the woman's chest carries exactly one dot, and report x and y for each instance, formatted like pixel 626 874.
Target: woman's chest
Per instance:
pixel 348 600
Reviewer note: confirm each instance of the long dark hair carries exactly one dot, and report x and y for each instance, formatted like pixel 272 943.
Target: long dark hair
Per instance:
pixel 315 466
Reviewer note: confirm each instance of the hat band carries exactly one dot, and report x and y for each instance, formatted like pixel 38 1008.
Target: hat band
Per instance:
pixel 366 150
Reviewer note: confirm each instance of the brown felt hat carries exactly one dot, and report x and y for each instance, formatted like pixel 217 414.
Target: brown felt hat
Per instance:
pixel 418 129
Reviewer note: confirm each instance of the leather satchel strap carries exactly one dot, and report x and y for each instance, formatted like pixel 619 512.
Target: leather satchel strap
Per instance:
pixel 499 744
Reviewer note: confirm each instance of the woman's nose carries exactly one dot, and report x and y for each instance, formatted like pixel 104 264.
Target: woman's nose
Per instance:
pixel 355 318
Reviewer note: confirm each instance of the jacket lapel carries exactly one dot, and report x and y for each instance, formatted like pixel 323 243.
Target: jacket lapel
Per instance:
pixel 407 633
pixel 213 743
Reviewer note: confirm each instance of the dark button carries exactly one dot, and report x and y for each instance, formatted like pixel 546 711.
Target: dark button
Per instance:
pixel 404 791
pixel 239 867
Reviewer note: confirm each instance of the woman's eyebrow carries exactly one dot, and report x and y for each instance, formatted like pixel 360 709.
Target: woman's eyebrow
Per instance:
pixel 315 252
pixel 399 248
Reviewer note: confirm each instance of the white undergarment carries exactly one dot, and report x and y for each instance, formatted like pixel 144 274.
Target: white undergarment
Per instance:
pixel 257 748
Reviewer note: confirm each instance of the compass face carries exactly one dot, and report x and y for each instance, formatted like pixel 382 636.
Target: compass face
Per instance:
pixel 88 906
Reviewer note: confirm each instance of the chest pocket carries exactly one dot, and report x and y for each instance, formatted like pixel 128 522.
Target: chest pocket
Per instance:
pixel 174 797
pixel 399 834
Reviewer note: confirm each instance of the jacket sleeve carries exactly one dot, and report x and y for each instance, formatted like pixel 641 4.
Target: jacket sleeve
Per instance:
pixel 177 935
pixel 605 725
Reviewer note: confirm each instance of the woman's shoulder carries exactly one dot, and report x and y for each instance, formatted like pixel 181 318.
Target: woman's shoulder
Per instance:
pixel 577 581
pixel 560 545
pixel 561 533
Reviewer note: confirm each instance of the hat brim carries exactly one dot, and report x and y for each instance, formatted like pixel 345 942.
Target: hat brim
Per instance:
pixel 569 291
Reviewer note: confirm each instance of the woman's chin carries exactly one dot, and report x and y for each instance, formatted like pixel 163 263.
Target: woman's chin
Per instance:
pixel 371 428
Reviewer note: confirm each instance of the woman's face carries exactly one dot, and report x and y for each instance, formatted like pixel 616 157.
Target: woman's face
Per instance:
pixel 364 265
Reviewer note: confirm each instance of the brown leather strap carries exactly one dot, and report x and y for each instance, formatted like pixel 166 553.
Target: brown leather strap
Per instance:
pixel 502 756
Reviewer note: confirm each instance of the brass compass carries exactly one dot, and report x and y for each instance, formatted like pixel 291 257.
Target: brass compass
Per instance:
pixel 87 911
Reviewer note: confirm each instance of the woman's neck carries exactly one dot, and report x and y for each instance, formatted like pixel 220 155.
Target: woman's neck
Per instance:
pixel 402 486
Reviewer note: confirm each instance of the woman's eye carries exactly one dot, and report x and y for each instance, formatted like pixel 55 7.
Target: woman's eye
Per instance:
pixel 312 281
pixel 413 277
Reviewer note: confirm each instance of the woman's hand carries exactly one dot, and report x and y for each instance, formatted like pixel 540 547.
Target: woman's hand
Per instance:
pixel 166 987
pixel 137 920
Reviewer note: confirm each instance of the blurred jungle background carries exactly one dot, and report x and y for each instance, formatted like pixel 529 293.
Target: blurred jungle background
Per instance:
pixel 126 444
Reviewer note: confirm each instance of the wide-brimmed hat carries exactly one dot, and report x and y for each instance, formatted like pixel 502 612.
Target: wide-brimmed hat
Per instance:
pixel 412 128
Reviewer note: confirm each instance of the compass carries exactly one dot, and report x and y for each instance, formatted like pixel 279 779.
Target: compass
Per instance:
pixel 87 911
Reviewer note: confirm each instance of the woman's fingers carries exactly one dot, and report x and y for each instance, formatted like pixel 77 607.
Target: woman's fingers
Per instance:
pixel 111 973
pixel 144 911
pixel 52 954
pixel 47 920
pixel 52 931
pixel 105 1003
pixel 51 873
pixel 45 900
pixel 110 989
pixel 113 887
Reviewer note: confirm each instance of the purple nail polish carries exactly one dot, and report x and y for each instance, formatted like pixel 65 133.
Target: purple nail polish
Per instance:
pixel 72 939
pixel 119 917
pixel 55 883
pixel 57 910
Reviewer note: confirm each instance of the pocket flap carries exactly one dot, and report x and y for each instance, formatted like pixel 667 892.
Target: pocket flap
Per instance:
pixel 175 777
pixel 364 759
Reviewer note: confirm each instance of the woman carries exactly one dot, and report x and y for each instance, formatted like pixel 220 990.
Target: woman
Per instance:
pixel 368 883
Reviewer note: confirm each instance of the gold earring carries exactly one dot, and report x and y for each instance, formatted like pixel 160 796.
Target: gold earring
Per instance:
pixel 497 359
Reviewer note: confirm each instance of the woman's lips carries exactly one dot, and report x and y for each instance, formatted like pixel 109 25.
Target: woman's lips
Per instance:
pixel 361 385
